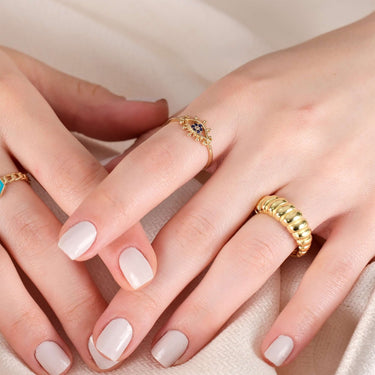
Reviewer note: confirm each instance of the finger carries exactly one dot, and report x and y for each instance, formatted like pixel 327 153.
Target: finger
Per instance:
pixel 238 271
pixel 185 245
pixel 192 238
pixel 70 172
pixel 189 242
pixel 90 108
pixel 144 177
pixel 26 328
pixel 29 233
pixel 131 259
pixel 324 286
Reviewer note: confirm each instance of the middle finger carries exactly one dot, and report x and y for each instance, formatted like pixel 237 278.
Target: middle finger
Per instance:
pixel 192 238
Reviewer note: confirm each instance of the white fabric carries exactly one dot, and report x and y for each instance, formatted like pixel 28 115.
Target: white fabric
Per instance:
pixel 175 49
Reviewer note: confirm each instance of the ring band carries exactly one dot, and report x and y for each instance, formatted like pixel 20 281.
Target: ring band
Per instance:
pixel 290 217
pixel 196 128
pixel 11 177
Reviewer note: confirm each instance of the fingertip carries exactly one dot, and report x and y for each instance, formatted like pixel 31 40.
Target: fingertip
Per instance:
pixel 278 351
pixel 136 268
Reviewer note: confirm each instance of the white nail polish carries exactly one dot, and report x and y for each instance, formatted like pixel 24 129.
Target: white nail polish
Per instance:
pixel 135 267
pixel 102 362
pixel 279 350
pixel 52 358
pixel 78 239
pixel 114 338
pixel 170 348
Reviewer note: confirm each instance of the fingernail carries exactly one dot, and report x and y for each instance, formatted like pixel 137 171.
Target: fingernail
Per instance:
pixel 52 358
pixel 114 338
pixel 102 362
pixel 279 350
pixel 77 239
pixel 170 348
pixel 163 100
pixel 135 267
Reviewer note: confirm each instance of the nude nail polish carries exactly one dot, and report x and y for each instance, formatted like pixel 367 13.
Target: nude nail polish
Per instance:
pixel 77 239
pixel 170 348
pixel 52 358
pixel 279 350
pixel 135 267
pixel 102 362
pixel 114 338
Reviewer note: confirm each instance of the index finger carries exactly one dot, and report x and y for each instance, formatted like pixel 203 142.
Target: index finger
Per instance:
pixel 144 178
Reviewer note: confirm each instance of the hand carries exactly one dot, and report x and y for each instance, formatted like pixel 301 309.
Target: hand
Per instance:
pixel 32 135
pixel 298 123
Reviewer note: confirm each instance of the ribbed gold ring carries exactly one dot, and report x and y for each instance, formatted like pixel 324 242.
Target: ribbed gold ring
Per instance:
pixel 197 129
pixel 11 177
pixel 290 217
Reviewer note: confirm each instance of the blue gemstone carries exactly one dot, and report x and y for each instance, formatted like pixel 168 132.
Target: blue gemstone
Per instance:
pixel 2 186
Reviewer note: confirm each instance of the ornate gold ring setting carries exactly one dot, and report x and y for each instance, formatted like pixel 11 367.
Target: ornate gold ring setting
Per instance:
pixel 11 177
pixel 290 217
pixel 197 129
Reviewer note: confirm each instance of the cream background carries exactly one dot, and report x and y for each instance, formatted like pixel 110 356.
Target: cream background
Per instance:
pixel 175 49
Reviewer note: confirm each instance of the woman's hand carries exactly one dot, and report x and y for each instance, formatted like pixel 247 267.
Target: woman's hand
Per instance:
pixel 32 135
pixel 298 123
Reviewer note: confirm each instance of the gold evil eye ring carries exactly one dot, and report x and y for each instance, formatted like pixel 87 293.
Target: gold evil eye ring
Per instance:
pixel 11 177
pixel 197 129
pixel 290 217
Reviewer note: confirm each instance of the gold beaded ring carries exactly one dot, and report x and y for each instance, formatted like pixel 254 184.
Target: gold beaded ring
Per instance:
pixel 11 177
pixel 290 217
pixel 197 129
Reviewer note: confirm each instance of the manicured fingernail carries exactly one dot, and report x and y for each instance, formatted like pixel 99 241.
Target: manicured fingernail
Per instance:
pixel 135 267
pixel 102 362
pixel 170 348
pixel 77 239
pixel 52 358
pixel 114 338
pixel 279 350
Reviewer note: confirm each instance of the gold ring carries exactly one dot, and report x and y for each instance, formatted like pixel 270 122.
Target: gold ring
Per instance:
pixel 290 217
pixel 11 177
pixel 197 129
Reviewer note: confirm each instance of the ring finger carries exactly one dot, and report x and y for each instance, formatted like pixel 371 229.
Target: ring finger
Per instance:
pixel 187 244
pixel 240 269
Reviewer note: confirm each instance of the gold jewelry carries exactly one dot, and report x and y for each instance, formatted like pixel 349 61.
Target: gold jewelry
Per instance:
pixel 196 128
pixel 11 177
pixel 290 217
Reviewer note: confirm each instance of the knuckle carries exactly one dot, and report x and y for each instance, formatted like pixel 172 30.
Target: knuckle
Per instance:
pixel 202 311
pixel 32 231
pixel 80 176
pixel 120 207
pixel 81 306
pixel 148 303
pixel 194 229
pixel 256 254
pixel 30 320
pixel 339 275
pixel 161 157
pixel 88 88
pixel 308 319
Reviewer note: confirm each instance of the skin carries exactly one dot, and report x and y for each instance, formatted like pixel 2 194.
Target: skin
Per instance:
pixel 39 107
pixel 298 123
